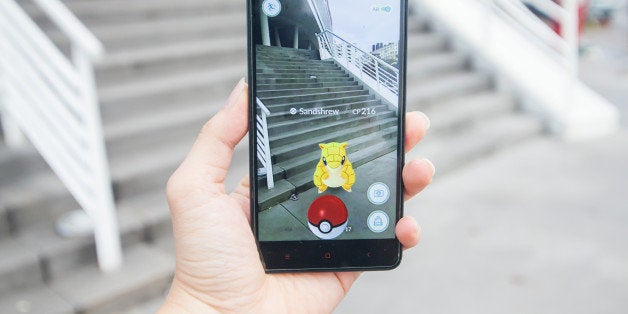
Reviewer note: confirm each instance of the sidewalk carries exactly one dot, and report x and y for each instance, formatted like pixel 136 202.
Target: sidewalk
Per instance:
pixel 540 228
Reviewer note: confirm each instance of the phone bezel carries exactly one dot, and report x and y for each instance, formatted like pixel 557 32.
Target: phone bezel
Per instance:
pixel 309 256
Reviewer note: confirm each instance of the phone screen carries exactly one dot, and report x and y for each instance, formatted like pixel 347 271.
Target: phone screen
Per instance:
pixel 326 92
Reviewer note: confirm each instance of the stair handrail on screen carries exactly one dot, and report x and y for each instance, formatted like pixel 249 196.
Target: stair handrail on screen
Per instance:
pixel 52 100
pixel 263 144
pixel 376 73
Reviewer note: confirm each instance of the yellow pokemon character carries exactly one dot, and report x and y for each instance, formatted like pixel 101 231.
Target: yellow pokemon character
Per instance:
pixel 334 168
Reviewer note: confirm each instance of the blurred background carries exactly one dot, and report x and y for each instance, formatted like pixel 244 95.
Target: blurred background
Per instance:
pixel 101 99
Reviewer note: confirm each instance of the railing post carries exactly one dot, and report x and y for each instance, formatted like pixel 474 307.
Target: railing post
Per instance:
pixel 377 79
pixel 13 136
pixel 103 213
pixel 570 32
pixel 270 180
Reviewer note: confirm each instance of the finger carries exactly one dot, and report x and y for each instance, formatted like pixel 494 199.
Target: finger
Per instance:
pixel 211 153
pixel 417 174
pixel 408 232
pixel 242 193
pixel 417 124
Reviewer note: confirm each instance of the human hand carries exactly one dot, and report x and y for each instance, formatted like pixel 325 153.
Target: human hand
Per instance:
pixel 218 268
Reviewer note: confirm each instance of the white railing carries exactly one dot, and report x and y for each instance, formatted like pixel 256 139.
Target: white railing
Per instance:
pixel 263 144
pixel 544 86
pixel 564 46
pixel 53 101
pixel 376 73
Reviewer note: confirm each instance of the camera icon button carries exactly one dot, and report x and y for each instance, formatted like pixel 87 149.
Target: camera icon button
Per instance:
pixel 378 193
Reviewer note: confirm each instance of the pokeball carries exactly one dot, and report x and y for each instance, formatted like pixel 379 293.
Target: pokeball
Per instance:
pixel 327 217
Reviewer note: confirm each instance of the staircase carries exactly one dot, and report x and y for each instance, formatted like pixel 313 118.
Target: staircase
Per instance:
pixel 289 78
pixel 170 65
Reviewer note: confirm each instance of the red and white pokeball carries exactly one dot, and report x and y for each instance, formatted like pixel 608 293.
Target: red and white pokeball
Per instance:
pixel 327 217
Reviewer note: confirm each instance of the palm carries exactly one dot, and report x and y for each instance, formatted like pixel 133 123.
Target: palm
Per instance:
pixel 235 260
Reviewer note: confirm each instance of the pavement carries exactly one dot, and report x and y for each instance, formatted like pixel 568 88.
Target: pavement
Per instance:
pixel 538 228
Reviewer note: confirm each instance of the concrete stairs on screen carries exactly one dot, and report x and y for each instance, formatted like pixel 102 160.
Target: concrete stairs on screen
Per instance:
pixel 169 67
pixel 289 78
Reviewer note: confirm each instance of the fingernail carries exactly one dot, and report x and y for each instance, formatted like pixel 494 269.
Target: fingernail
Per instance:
pixel 235 94
pixel 430 164
pixel 426 119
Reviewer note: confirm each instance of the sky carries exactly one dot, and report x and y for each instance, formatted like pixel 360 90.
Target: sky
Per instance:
pixel 356 21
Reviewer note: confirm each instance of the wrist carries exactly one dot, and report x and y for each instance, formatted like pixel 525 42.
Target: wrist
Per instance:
pixel 180 301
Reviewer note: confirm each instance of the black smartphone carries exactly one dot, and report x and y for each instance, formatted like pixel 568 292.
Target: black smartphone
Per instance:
pixel 327 112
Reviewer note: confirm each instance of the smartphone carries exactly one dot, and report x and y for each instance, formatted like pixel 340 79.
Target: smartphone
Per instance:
pixel 327 109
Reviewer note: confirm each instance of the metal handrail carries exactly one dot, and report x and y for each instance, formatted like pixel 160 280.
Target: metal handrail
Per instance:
pixel 376 73
pixel 72 27
pixel 563 46
pixel 53 101
pixel 263 144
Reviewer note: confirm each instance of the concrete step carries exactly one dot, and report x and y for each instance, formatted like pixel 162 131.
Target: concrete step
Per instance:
pixel 296 130
pixel 298 173
pixel 107 12
pixel 152 94
pixel 337 132
pixel 423 43
pixel 276 101
pixel 457 114
pixel 5 227
pixel 19 268
pixel 452 151
pixel 304 80
pixel 148 169
pixel 35 198
pixel 137 34
pixel 277 86
pixel 37 299
pixel 218 25
pixel 126 66
pixel 89 290
pixel 326 74
pixel 297 66
pixel 161 128
pixel 295 71
pixel 16 163
pixel 263 59
pixel 297 91
pixel 140 218
pixel 428 66
pixel 308 161
pixel 287 64
pixel 421 95
pixel 275 50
